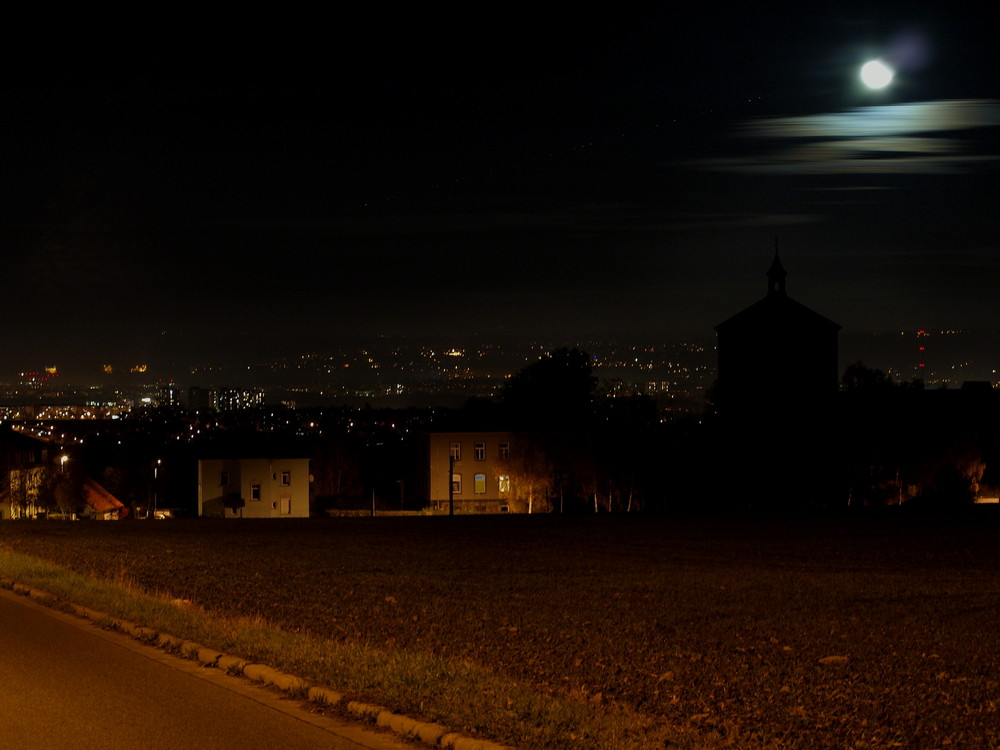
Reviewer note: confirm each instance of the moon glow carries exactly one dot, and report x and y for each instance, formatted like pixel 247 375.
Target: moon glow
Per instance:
pixel 876 74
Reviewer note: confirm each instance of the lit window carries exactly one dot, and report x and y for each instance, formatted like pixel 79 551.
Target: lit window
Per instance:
pixel 480 484
pixel 504 483
pixel 479 451
pixel 456 483
pixel 255 492
pixel 504 451
pixel 456 451
pixel 286 478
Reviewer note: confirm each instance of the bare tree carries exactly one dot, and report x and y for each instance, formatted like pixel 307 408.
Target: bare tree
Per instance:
pixel 530 478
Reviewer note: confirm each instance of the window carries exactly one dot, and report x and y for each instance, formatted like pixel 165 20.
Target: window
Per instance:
pixel 479 487
pixel 456 484
pixel 504 451
pixel 223 478
pixel 255 492
pixel 456 451
pixel 286 505
pixel 286 478
pixel 503 482
pixel 479 451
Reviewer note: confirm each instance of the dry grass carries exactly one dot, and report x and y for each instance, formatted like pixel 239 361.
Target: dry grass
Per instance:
pixel 819 632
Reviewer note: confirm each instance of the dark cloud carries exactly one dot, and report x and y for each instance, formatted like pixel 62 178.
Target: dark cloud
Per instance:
pixel 917 137
pixel 621 173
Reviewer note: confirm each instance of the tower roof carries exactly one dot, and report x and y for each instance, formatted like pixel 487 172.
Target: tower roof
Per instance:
pixel 776 276
pixel 777 310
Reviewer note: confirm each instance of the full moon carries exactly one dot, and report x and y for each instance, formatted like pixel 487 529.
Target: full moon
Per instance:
pixel 876 74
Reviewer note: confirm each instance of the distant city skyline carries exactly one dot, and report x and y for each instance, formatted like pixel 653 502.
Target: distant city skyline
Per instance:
pixel 405 373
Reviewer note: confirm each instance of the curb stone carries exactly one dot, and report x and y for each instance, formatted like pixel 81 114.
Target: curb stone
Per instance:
pixel 231 664
pixel 208 657
pixel 428 732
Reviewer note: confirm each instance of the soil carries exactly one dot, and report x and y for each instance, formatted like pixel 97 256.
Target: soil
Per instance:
pixel 861 630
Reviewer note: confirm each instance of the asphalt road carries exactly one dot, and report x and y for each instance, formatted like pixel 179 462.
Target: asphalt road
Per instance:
pixel 66 684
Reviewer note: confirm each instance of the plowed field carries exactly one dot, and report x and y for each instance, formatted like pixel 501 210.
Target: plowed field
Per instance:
pixel 850 631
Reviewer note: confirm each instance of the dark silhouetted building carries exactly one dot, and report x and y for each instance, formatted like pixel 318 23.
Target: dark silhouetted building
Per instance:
pixel 777 382
pixel 775 355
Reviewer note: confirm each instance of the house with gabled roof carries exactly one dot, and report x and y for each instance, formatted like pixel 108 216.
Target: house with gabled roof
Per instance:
pixel 101 504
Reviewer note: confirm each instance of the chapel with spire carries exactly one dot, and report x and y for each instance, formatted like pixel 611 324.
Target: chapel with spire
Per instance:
pixel 775 394
pixel 776 355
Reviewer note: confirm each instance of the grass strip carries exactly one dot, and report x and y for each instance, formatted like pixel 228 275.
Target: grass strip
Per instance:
pixel 459 694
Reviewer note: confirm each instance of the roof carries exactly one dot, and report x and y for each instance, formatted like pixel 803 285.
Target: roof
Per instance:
pixel 99 498
pixel 11 439
pixel 778 310
pixel 247 446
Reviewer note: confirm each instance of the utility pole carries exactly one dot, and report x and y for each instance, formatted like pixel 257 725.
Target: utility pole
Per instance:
pixel 451 483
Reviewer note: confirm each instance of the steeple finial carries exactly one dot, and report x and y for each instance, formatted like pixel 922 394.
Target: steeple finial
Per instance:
pixel 776 274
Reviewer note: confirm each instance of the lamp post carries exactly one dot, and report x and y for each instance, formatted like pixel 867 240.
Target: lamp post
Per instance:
pixel 156 477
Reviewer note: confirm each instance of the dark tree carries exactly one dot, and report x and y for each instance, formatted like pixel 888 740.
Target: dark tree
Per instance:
pixel 132 483
pixel 61 486
pixel 858 378
pixel 335 464
pixel 554 393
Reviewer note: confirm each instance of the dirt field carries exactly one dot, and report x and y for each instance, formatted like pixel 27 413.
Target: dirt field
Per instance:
pixel 848 632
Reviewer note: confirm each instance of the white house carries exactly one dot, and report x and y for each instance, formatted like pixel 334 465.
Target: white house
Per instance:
pixel 253 487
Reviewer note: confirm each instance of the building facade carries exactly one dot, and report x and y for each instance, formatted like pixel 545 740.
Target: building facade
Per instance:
pixel 253 487
pixel 469 471
pixel 24 462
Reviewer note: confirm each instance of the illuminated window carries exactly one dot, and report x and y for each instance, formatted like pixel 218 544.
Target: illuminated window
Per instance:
pixel 286 478
pixel 504 451
pixel 456 483
pixel 456 451
pixel 503 481
pixel 480 484
pixel 255 492
pixel 479 451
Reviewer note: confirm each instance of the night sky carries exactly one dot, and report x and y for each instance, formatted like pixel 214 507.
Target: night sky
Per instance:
pixel 216 187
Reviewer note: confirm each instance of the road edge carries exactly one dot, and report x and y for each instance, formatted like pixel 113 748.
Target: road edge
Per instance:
pixel 381 717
